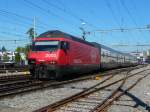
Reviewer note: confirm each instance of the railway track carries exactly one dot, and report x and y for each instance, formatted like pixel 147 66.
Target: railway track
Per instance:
pixel 115 96
pixel 10 70
pixel 9 78
pixel 15 84
pixel 20 86
pixel 90 99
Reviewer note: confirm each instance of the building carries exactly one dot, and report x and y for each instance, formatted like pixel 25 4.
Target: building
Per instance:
pixel 9 54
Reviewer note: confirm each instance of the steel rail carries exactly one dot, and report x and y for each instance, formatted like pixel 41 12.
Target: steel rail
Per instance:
pixel 17 89
pixel 21 69
pixel 11 88
pixel 115 96
pixel 98 107
pixel 16 68
pixel 26 87
pixel 56 105
pixel 14 77
pixel 9 77
pixel 79 95
pixel 74 97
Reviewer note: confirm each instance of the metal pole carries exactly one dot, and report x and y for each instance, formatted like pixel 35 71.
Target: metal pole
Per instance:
pixel 34 27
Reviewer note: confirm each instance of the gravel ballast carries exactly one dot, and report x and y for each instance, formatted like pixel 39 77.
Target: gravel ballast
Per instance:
pixel 34 100
pixel 37 99
pixel 136 100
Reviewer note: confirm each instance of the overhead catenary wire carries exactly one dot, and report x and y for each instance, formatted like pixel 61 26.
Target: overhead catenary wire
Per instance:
pixel 21 16
pixel 69 13
pixel 130 15
pixel 12 34
pixel 138 17
pixel 66 10
pixel 115 18
pixel 132 45
pixel 112 12
pixel 14 40
pixel 7 13
pixel 146 28
pixel 48 11
pixel 128 12
pixel 89 9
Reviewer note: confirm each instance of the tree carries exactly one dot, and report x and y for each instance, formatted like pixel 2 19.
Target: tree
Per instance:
pixel 3 49
pixel 24 50
pixel 5 58
pixel 31 33
pixel 18 49
pixel 17 57
pixel 148 57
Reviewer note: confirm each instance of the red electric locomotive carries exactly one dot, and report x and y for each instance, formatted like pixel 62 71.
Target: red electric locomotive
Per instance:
pixel 55 53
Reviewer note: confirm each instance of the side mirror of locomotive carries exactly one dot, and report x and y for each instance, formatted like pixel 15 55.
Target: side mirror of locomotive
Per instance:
pixel 64 45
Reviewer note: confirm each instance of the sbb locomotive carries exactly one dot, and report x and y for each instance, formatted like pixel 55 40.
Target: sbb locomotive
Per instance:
pixel 55 54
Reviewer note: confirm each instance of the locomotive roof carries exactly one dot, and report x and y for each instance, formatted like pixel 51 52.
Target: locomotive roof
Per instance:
pixel 57 33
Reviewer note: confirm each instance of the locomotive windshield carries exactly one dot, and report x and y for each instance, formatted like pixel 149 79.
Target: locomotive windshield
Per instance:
pixel 45 45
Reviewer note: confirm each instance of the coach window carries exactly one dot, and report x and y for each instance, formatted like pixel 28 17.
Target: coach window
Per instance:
pixel 103 54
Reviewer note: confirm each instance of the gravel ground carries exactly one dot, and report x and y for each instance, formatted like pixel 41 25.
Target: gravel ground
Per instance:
pixel 35 100
pixel 137 99
pixel 85 104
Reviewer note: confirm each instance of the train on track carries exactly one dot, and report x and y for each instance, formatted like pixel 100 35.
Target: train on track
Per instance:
pixel 55 54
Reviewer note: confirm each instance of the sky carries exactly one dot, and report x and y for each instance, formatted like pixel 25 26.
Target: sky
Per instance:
pixel 17 16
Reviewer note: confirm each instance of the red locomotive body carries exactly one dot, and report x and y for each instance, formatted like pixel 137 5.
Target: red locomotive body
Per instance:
pixel 54 54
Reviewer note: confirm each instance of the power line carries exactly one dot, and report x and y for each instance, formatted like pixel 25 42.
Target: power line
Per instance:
pixel 13 40
pixel 112 12
pixel 146 28
pixel 130 15
pixel 20 16
pixel 12 34
pixel 15 14
pixel 48 12
pixel 91 11
pixel 127 45
pixel 61 3
pixel 135 8
pixel 20 25
pixel 4 13
pixel 128 12
pixel 69 13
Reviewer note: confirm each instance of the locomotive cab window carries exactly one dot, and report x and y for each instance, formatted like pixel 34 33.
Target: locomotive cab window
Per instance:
pixel 64 45
pixel 45 45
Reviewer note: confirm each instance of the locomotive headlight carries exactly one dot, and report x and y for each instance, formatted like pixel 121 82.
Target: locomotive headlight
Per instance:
pixel 52 62
pixel 31 61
